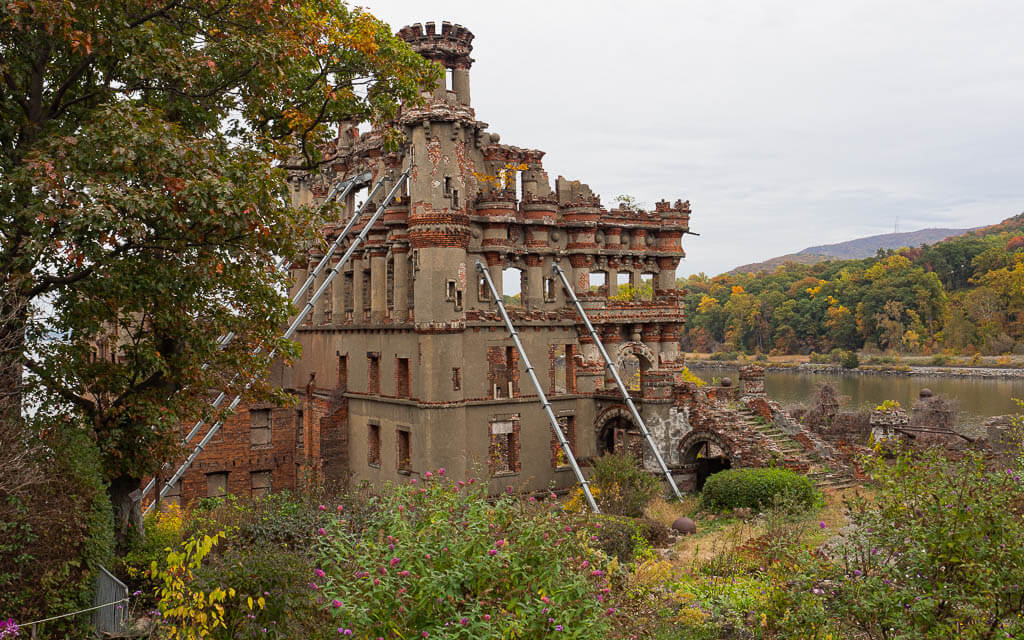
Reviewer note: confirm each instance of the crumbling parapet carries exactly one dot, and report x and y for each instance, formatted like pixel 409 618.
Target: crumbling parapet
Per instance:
pixel 888 423
pixel 752 380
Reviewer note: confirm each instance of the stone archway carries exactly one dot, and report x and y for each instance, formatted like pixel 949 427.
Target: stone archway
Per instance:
pixel 611 429
pixel 704 453
pixel 633 359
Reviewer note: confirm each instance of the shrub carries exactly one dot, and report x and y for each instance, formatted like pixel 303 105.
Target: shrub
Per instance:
pixel 757 489
pixel 850 360
pixel 624 488
pixel 441 560
pixel 51 546
pixel 935 554
pixel 163 530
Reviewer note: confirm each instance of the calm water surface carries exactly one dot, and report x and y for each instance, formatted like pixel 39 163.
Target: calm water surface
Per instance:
pixel 977 398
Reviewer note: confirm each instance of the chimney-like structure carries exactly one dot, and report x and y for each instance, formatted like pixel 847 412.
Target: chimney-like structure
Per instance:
pixel 450 48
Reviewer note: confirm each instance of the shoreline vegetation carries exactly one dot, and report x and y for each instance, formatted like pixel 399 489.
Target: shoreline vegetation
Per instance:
pixel 887 365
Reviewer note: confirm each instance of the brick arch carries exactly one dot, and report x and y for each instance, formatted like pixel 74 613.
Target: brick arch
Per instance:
pixel 690 443
pixel 605 421
pixel 638 349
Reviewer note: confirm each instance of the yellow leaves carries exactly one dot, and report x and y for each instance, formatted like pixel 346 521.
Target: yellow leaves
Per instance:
pixel 813 291
pixel 506 175
pixel 737 289
pixel 707 304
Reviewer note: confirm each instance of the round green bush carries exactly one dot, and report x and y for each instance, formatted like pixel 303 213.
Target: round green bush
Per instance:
pixel 757 489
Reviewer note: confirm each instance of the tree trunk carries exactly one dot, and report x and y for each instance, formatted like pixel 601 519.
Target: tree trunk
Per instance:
pixel 125 498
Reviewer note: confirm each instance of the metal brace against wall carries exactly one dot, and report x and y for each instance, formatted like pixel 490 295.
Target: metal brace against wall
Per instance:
pixel 618 380
pixel 340 191
pixel 536 384
pixel 331 273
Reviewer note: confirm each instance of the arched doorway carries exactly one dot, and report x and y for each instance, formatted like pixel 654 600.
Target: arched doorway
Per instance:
pixel 612 429
pixel 633 360
pixel 705 454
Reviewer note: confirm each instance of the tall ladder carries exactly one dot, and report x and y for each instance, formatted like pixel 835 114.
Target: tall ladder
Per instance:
pixel 297 322
pixel 618 380
pixel 340 191
pixel 482 270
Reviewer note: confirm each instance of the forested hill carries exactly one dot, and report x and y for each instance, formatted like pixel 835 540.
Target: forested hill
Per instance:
pixel 963 294
pixel 853 249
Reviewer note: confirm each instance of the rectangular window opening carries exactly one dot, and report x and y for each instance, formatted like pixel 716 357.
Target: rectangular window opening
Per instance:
pixel 504 449
pixel 260 483
pixel 402 379
pixel 449 290
pixel 373 373
pixel 217 484
pixel 373 445
pixel 259 427
pixel 549 289
pixel 456 379
pixel 404 452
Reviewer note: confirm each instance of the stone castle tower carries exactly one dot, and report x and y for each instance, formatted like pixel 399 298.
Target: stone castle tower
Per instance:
pixel 406 366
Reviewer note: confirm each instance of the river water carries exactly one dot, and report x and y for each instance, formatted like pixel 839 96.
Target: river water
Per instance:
pixel 976 398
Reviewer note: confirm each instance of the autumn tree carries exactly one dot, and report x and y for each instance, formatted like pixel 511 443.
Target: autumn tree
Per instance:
pixel 144 150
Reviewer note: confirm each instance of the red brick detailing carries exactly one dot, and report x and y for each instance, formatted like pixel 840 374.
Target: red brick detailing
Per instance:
pixel 373 444
pixel 503 452
pixel 402 377
pixel 502 369
pixel 568 426
pixel 403 449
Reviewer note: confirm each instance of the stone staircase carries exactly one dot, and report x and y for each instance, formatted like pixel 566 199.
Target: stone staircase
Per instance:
pixel 794 453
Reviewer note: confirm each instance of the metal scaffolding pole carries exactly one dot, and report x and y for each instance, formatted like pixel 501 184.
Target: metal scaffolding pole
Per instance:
pixel 496 296
pixel 331 273
pixel 618 380
pixel 345 188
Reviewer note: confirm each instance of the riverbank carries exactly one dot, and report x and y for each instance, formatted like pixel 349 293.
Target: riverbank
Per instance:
pixel 868 369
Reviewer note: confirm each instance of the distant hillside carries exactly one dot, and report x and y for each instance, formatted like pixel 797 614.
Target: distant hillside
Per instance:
pixel 854 249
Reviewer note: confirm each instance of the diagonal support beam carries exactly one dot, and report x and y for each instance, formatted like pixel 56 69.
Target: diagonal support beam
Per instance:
pixel 618 380
pixel 482 270
pixel 299 319
pixel 340 191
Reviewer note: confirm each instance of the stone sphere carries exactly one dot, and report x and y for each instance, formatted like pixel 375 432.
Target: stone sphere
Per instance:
pixel 685 526
pixel 726 382
pixel 926 393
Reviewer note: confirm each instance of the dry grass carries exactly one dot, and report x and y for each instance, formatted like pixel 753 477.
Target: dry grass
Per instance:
pixel 725 536
pixel 665 512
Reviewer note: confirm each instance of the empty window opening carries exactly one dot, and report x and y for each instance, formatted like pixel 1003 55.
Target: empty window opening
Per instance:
pixel 373 445
pixel 568 426
pixel 373 373
pixel 629 369
pixel 504 449
pixel 355 200
pixel 404 452
pixel 216 484
pixel 558 369
pixel 449 79
pixel 512 286
pixel 646 287
pixel 455 199
pixel 449 290
pixel 458 300
pixel 598 283
pixel 342 372
pixel 300 431
pixel 483 291
pixel 402 377
pixel 259 427
pixel 447 187
pixel 549 289
pixel 623 278
pixel 456 379
pixel 570 368
pixel 260 483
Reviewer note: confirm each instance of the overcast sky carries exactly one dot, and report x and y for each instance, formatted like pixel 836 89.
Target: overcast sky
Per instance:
pixel 786 124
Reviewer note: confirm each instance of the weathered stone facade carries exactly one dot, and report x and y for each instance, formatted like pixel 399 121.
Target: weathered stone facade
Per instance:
pixel 406 366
